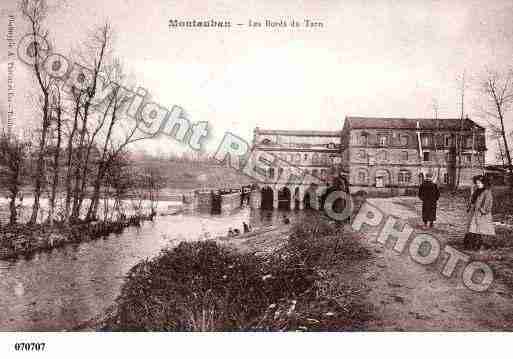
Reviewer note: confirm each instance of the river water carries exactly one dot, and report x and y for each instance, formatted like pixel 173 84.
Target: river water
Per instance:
pixel 58 290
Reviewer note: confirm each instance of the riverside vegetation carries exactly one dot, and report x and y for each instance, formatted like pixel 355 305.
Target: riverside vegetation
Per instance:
pixel 207 286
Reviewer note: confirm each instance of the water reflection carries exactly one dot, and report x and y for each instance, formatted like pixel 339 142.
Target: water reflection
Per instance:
pixel 60 289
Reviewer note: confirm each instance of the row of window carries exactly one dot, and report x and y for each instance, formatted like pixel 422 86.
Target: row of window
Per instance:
pixel 299 140
pixel 403 177
pixel 315 172
pixel 317 159
pixel 427 140
pixel 383 156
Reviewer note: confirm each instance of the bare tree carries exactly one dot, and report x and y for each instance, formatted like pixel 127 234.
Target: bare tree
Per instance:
pixel 96 52
pixel 121 132
pixel 70 149
pixel 459 137
pixel 13 158
pixel 35 12
pixel 498 90
pixel 56 118
pixel 435 139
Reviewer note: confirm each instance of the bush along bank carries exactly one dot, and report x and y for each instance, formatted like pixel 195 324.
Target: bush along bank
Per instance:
pixel 204 286
pixel 22 240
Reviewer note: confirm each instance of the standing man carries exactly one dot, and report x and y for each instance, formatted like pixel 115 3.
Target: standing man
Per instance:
pixel 429 195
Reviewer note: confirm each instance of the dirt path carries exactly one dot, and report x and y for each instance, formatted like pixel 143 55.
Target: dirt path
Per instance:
pixel 409 296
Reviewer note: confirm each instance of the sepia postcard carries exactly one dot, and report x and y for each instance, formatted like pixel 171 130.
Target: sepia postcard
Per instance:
pixel 264 167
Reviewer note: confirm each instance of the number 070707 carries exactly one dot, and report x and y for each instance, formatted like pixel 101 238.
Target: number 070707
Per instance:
pixel 29 347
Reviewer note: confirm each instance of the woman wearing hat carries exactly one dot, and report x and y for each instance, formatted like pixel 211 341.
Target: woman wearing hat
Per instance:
pixel 480 214
pixel 429 194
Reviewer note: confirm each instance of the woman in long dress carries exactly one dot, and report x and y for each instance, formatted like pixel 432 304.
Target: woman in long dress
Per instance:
pixel 480 226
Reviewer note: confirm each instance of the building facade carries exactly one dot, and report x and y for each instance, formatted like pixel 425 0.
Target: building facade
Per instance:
pixel 384 155
pixel 300 165
pixel 394 154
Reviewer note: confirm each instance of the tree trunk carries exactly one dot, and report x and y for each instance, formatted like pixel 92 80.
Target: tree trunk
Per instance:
pixel 95 198
pixel 70 162
pixel 12 208
pixel 75 213
pixel 56 159
pixel 40 165
pixel 508 154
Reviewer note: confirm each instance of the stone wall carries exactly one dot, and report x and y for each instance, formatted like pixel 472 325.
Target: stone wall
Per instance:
pixel 203 202
pixel 230 202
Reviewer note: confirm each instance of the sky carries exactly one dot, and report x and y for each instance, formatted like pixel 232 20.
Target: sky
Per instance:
pixel 371 58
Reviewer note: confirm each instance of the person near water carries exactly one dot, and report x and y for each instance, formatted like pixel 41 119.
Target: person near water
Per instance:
pixel 480 223
pixel 245 226
pixel 429 195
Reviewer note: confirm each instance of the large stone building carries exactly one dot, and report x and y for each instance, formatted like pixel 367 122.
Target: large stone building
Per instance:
pixel 394 154
pixel 312 154
pixel 389 155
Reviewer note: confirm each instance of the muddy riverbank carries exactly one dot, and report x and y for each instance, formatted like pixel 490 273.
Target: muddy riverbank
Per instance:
pixel 24 240
pixel 69 285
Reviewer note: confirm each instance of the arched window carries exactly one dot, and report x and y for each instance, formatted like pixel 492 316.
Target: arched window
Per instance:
pixel 315 159
pixel 323 174
pixel 404 140
pixel 271 172
pixel 315 173
pixel 298 158
pixel 362 155
pixel 324 159
pixel 362 139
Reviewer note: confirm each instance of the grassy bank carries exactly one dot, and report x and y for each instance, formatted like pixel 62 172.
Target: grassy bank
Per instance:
pixel 23 239
pixel 204 286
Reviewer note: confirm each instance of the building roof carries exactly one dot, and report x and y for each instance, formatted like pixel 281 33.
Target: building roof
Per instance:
pixel 303 133
pixel 409 123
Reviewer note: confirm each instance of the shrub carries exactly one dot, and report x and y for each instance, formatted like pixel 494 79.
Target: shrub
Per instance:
pixel 313 241
pixel 201 286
